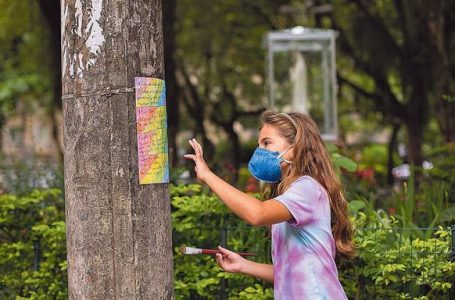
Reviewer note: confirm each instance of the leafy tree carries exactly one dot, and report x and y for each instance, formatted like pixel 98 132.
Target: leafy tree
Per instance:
pixel 220 63
pixel 398 57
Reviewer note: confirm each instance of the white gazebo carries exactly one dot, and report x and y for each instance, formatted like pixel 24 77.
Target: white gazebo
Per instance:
pixel 301 75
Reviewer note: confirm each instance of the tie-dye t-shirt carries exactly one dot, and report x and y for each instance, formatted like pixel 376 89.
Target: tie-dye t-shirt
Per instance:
pixel 303 249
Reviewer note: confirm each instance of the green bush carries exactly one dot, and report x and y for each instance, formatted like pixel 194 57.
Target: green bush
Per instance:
pixel 392 261
pixel 443 159
pixel 201 220
pixel 32 246
pixel 396 262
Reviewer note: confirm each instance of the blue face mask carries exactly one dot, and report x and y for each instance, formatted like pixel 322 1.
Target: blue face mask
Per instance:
pixel 265 165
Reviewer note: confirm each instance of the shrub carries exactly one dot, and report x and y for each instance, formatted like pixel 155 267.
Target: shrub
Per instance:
pixel 397 262
pixel 32 246
pixel 201 220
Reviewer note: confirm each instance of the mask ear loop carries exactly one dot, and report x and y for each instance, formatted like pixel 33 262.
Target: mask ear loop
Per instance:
pixel 283 153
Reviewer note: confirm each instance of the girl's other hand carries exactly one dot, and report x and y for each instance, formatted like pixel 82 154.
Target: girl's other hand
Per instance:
pixel 230 261
pixel 201 168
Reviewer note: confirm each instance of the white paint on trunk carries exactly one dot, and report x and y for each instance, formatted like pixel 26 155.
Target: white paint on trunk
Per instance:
pixel 76 61
pixel 64 60
pixel 64 15
pixel 72 66
pixel 95 37
pixel 80 66
pixel 78 17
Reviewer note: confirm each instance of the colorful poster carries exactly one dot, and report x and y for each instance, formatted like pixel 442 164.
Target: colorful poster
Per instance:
pixel 151 122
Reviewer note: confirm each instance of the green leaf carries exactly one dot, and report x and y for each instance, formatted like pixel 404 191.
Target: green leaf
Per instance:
pixel 344 162
pixel 356 205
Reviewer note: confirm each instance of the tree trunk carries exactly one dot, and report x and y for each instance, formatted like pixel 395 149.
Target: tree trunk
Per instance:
pixel 51 11
pixel 418 105
pixel 440 30
pixel 172 89
pixel 118 232
pixel 445 110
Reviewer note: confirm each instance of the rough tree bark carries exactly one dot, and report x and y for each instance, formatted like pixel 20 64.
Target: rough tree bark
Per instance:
pixel 118 232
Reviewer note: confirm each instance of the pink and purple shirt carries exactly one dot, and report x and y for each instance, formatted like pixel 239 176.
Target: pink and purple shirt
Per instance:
pixel 303 248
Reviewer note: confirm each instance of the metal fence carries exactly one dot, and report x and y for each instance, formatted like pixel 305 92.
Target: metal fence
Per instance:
pixel 418 255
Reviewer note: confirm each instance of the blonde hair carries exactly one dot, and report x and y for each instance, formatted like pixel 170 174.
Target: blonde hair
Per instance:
pixel 310 158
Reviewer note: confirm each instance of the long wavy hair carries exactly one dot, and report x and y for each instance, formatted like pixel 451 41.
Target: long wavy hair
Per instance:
pixel 310 157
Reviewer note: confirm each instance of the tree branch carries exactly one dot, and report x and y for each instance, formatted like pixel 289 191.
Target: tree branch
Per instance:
pixel 380 26
pixel 357 88
pixel 197 106
pixel 386 96
pixel 259 12
pixel 254 112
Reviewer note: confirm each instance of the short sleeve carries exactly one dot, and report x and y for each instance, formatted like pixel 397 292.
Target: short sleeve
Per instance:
pixel 301 200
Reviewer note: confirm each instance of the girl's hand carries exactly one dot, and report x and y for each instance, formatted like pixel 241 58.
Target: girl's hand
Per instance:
pixel 230 261
pixel 201 168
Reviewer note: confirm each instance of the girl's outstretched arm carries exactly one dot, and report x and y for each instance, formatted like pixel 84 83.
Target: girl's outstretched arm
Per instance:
pixel 232 262
pixel 250 209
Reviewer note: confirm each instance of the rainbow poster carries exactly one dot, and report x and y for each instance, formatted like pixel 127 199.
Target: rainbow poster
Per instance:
pixel 151 123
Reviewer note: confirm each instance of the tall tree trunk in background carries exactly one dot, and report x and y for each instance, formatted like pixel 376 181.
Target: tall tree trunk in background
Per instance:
pixel 440 28
pixel 417 113
pixel 196 108
pixel 225 114
pixel 51 12
pixel 172 97
pixel 118 232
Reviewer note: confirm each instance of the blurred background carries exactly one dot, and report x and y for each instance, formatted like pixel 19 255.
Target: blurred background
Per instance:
pixel 390 108
pixel 394 74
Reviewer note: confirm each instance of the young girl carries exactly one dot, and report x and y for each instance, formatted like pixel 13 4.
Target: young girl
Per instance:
pixel 307 212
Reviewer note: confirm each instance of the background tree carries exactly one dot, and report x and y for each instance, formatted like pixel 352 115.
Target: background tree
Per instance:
pixel 173 89
pixel 396 55
pixel 221 64
pixel 50 9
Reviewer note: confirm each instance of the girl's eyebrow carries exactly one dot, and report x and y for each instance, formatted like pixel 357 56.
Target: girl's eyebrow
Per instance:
pixel 263 139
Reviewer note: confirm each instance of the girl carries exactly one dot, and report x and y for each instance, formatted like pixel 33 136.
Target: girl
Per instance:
pixel 307 212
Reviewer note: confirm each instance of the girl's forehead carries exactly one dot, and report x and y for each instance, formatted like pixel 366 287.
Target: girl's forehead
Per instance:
pixel 269 131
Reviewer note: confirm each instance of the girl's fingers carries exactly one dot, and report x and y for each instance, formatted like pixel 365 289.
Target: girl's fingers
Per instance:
pixel 224 251
pixel 196 147
pixel 220 261
pixel 192 145
pixel 190 156
pixel 199 147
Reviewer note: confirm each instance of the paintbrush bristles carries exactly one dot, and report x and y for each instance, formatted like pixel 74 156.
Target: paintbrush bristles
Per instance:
pixel 190 250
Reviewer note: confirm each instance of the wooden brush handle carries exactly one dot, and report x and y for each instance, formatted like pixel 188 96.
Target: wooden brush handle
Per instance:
pixel 213 251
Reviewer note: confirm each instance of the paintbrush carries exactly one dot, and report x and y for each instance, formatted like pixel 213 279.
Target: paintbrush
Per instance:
pixel 192 251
